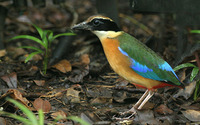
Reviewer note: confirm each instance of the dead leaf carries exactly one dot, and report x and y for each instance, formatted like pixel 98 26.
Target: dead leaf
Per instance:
pixel 17 95
pixel 78 75
pixel 42 104
pixel 35 58
pixel 59 113
pixel 63 66
pixel 192 115
pixel 10 79
pixel 146 117
pixel 33 70
pixel 92 118
pixel 3 121
pixel 121 82
pixel 100 101
pixel 54 93
pixel 2 53
pixel 39 82
pixel 85 60
pixel 163 110
pixel 15 51
pixel 187 92
pixel 73 94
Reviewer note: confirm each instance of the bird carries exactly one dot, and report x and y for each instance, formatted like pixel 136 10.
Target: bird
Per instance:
pixel 131 59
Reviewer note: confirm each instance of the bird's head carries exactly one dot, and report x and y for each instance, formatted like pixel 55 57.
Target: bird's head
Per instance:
pixel 100 25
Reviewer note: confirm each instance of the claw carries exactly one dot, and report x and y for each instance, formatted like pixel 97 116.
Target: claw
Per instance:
pixel 132 111
pixel 141 102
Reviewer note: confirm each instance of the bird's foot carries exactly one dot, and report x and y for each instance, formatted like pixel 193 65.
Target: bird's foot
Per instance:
pixel 131 113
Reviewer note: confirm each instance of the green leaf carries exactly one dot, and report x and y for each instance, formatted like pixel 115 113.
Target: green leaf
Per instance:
pixel 31 47
pixel 63 34
pixel 30 56
pixel 194 31
pixel 196 94
pixel 41 117
pixel 194 73
pixel 40 31
pixel 19 118
pixel 25 110
pixel 50 37
pixel 30 38
pixel 183 66
pixel 44 38
pixel 77 119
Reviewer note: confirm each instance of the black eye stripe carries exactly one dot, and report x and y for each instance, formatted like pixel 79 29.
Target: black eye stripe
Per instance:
pixel 103 25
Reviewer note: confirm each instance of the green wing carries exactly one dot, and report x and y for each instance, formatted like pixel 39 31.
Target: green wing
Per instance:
pixel 146 62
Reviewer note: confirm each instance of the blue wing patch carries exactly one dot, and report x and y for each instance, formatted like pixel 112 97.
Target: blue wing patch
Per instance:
pixel 167 67
pixel 146 72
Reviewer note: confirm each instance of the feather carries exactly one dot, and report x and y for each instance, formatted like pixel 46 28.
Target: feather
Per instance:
pixel 146 62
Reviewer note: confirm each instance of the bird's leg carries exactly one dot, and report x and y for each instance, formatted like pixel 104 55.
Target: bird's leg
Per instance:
pixel 150 94
pixel 133 109
pixel 141 99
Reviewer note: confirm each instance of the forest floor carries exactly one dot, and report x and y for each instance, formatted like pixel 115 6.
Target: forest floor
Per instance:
pixel 81 82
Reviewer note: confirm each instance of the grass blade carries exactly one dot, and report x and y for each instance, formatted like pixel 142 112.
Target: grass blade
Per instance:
pixel 31 47
pixel 25 110
pixel 183 66
pixel 41 117
pixel 63 34
pixel 77 119
pixel 30 38
pixel 196 94
pixel 30 56
pixel 19 118
pixel 194 31
pixel 194 73
pixel 40 31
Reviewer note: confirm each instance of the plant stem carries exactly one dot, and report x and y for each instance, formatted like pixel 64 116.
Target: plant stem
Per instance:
pixel 45 61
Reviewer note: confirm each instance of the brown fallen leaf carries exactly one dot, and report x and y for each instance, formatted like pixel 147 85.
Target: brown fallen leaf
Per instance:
pixel 17 95
pixel 73 93
pixel 78 75
pixel 2 53
pixel 192 115
pixel 163 110
pixel 35 58
pixel 146 117
pixel 100 101
pixel 39 82
pixel 10 79
pixel 187 92
pixel 63 66
pixel 15 51
pixel 59 113
pixel 85 60
pixel 3 121
pixel 55 93
pixel 42 104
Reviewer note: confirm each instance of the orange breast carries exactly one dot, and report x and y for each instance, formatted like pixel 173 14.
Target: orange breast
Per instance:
pixel 121 64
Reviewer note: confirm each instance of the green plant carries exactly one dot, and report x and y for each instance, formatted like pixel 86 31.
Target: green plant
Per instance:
pixel 194 73
pixel 46 38
pixel 31 117
pixel 196 91
pixel 194 31
pixel 195 69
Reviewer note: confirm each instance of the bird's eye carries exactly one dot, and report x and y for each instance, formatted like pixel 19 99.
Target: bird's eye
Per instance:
pixel 96 22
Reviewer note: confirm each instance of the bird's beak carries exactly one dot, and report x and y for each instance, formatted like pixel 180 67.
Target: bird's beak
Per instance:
pixel 81 26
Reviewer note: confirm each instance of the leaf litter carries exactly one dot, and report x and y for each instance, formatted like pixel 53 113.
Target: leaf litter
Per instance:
pixel 82 83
